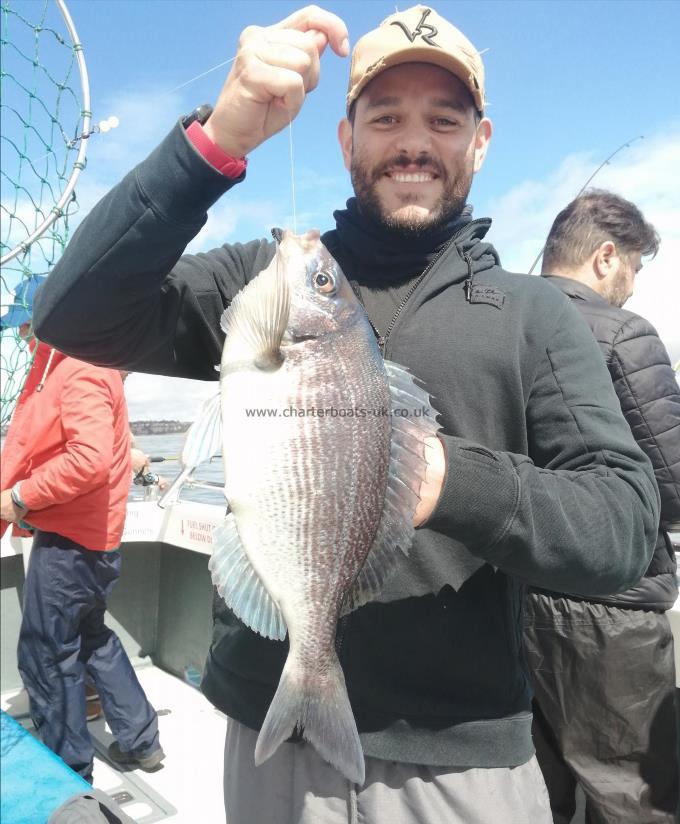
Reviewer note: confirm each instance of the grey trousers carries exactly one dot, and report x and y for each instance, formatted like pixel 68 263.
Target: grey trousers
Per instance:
pixel 295 786
pixel 604 715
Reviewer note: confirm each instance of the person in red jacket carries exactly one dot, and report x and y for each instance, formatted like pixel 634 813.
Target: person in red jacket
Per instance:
pixel 65 477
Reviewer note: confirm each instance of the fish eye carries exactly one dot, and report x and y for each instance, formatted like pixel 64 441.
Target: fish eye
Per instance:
pixel 324 282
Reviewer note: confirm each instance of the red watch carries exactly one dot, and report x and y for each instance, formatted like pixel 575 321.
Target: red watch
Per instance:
pixel 229 166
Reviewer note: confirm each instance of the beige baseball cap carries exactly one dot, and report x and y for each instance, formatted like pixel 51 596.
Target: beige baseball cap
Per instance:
pixel 417 35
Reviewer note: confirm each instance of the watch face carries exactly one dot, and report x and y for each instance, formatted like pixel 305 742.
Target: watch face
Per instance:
pixel 203 112
pixel 200 113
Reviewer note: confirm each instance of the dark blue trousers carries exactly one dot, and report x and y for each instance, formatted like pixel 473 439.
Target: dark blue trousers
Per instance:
pixel 63 636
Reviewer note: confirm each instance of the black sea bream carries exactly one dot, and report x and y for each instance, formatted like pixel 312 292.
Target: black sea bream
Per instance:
pixel 323 445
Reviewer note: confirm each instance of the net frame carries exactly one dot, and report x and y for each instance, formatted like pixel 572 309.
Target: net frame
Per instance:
pixel 57 210
pixel 35 245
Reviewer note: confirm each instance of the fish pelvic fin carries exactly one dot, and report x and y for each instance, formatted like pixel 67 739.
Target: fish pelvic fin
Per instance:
pixel 322 712
pixel 257 318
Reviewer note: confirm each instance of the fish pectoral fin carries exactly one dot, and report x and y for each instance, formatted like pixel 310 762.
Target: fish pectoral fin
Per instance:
pixel 411 426
pixel 257 317
pixel 239 584
pixel 202 440
pixel 204 437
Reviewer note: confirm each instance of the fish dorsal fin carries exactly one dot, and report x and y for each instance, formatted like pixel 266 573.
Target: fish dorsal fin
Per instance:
pixel 239 584
pixel 414 421
pixel 256 319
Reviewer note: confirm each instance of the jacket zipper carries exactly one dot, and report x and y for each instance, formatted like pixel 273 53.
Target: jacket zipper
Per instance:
pixel 467 286
pixel 382 339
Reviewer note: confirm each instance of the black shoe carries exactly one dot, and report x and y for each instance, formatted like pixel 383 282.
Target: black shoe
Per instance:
pixel 149 762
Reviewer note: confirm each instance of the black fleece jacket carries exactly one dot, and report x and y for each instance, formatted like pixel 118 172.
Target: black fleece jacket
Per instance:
pixel 648 392
pixel 545 483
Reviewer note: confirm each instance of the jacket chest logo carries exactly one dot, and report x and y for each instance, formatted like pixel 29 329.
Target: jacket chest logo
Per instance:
pixel 418 31
pixel 485 294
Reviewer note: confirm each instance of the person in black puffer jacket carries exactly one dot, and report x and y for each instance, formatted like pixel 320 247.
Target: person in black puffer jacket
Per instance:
pixel 602 668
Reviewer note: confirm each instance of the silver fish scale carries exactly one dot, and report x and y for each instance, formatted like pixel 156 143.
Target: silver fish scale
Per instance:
pixel 321 494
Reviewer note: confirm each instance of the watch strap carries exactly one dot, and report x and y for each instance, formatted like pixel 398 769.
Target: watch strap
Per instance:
pixel 15 494
pixel 231 167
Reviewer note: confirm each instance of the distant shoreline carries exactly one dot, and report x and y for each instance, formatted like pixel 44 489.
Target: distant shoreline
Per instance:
pixel 158 427
pixel 142 427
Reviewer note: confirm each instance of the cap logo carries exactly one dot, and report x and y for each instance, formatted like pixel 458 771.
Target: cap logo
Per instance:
pixel 418 31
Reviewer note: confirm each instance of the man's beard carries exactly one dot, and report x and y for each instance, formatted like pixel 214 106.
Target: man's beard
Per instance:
pixel 618 293
pixel 451 202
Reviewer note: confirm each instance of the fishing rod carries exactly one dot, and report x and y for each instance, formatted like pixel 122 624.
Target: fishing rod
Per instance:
pixel 161 458
pixel 585 185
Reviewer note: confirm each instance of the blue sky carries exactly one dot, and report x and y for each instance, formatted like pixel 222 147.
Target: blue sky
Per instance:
pixel 567 82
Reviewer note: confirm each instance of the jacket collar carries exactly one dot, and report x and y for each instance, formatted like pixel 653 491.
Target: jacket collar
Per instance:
pixel 576 289
pixel 367 251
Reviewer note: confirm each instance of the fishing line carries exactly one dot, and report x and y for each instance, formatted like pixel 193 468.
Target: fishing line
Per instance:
pixel 198 76
pixel 585 185
pixel 292 173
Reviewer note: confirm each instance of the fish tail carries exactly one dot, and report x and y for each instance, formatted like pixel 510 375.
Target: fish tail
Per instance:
pixel 321 711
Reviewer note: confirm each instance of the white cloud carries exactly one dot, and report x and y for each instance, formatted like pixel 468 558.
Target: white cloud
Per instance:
pixel 224 218
pixel 145 116
pixel 154 397
pixel 645 174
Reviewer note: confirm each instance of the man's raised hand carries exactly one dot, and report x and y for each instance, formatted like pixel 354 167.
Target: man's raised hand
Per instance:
pixel 274 69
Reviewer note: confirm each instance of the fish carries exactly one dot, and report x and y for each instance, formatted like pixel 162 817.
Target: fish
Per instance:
pixel 323 443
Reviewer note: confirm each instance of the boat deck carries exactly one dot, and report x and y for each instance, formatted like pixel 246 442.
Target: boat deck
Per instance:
pixel 188 787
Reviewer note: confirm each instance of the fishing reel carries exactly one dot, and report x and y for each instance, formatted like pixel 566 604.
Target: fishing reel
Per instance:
pixel 146 478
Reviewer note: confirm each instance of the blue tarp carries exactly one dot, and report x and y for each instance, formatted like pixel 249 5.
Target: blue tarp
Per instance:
pixel 34 781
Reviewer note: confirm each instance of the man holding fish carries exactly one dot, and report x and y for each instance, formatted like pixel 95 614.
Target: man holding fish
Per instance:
pixel 399 694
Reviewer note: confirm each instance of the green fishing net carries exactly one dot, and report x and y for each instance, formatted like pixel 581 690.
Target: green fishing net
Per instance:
pixel 44 99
